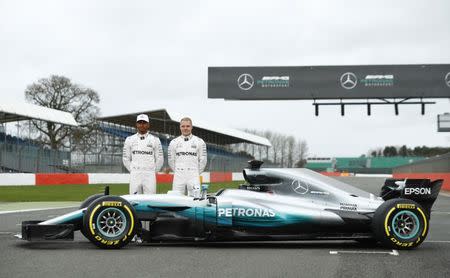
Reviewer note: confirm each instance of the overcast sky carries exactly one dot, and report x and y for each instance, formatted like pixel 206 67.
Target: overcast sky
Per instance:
pixel 144 55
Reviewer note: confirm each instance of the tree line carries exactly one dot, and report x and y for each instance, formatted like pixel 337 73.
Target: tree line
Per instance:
pixel 59 92
pixel 286 151
pixel 389 151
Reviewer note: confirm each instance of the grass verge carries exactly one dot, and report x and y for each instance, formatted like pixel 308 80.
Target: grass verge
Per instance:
pixel 76 192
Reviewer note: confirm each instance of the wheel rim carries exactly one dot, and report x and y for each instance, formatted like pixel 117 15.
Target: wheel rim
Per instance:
pixel 405 224
pixel 111 223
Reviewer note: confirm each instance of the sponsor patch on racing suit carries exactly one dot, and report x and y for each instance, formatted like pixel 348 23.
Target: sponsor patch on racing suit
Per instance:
pixel 143 157
pixel 187 158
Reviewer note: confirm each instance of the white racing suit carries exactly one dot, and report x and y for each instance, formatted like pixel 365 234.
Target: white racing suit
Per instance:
pixel 143 157
pixel 187 158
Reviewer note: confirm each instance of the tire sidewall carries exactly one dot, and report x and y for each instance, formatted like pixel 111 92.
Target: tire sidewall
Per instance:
pixel 92 232
pixel 90 199
pixel 383 223
pixel 85 204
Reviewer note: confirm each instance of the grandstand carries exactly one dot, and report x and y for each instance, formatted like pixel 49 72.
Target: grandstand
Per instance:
pixel 165 125
pixel 103 152
pixel 369 165
pixel 23 155
pixel 19 154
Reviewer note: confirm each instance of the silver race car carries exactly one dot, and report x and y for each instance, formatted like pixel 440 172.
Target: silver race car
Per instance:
pixel 273 204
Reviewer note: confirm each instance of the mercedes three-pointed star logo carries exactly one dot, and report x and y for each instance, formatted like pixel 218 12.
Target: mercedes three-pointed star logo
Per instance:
pixel 245 81
pixel 348 80
pixel 299 187
pixel 447 79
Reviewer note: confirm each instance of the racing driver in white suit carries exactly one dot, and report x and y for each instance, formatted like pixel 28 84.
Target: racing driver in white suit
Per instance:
pixel 143 157
pixel 187 158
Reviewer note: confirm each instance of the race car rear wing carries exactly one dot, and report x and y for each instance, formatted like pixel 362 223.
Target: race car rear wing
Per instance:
pixel 423 191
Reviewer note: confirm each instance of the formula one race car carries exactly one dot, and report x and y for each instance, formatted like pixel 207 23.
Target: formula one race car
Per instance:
pixel 274 204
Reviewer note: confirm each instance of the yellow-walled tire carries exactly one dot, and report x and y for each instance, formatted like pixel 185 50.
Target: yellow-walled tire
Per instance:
pixel 85 204
pixel 110 222
pixel 400 224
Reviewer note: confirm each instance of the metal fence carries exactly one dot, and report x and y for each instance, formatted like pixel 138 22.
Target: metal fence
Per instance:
pixel 112 162
pixel 32 159
pixel 23 155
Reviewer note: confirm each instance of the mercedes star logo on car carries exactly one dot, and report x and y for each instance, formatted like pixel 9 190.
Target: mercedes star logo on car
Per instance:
pixel 349 80
pixel 299 187
pixel 447 79
pixel 245 81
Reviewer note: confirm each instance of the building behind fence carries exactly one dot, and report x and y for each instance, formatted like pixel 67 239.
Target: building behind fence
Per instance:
pixel 104 155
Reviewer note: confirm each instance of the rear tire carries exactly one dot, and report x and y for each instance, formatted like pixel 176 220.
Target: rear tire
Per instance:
pixel 400 224
pixel 110 222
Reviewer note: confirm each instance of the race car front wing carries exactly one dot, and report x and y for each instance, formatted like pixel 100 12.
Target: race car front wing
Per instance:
pixel 32 231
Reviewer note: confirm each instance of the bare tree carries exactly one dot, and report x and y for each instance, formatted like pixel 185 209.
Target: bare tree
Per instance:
pixel 58 92
pixel 286 151
pixel 276 141
pixel 290 151
pixel 267 134
pixel 283 150
pixel 302 151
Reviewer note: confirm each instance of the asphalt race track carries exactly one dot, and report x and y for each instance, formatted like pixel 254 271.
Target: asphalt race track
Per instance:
pixel 257 259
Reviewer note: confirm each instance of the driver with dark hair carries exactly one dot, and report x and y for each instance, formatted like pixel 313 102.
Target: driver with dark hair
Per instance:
pixel 143 157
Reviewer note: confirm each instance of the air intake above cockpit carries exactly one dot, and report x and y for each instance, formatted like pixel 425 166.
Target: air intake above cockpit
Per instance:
pixel 255 164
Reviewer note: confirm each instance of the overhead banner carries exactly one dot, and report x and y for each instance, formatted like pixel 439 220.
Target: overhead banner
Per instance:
pixel 329 82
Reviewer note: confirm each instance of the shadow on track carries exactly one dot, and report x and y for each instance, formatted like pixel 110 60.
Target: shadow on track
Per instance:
pixel 324 244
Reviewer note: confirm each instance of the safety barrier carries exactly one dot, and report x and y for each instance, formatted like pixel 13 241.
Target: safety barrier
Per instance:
pixel 332 174
pixel 17 179
pixel 220 176
pixel 108 178
pixel 96 178
pixel 60 179
pixel 346 174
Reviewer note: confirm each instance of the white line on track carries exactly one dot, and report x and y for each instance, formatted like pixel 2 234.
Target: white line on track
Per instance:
pixel 393 252
pixel 5 233
pixel 444 194
pixel 37 209
pixel 440 212
pixel 438 241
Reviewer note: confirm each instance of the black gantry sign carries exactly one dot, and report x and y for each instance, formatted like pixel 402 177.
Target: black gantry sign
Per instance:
pixel 329 82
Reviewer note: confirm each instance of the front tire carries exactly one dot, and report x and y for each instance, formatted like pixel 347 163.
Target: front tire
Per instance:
pixel 110 222
pixel 85 204
pixel 400 224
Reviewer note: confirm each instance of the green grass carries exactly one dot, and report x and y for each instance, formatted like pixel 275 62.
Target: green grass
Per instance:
pixel 77 192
